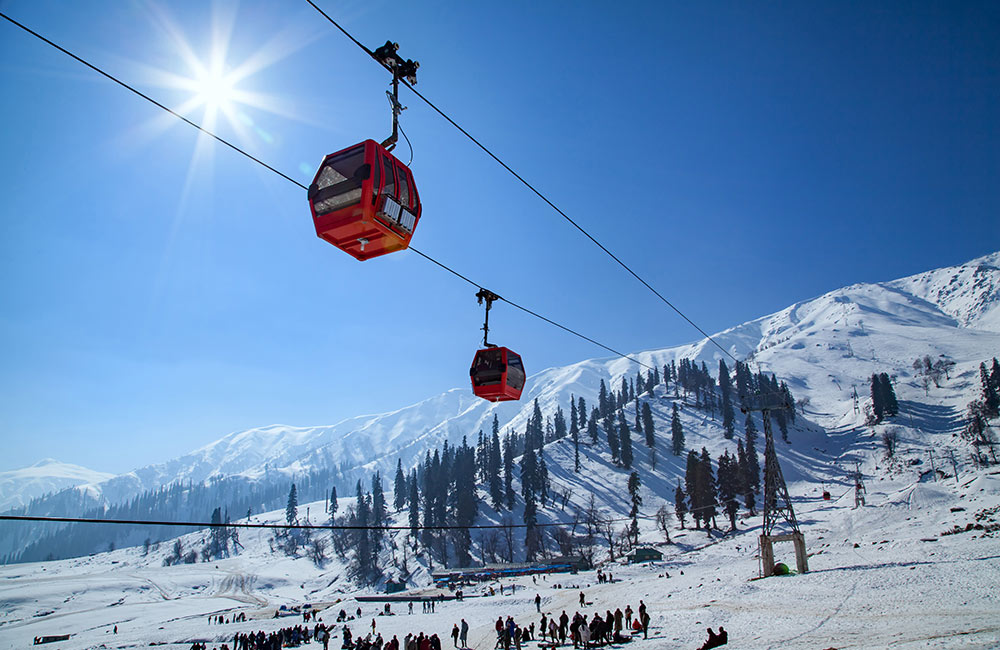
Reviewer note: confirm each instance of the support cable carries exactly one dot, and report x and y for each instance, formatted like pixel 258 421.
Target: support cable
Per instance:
pixel 530 187
pixel 297 183
pixel 296 526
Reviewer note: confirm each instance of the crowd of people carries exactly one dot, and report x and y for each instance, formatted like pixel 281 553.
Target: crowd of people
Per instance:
pixel 581 629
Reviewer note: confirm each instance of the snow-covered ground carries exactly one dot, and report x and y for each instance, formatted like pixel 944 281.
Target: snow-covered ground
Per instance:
pixel 884 575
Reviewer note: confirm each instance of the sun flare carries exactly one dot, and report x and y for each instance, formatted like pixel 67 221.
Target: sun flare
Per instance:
pixel 215 90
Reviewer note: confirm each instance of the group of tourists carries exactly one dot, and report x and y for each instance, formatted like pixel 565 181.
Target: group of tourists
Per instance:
pixel 612 627
pixel 285 637
pixel 715 640
pixel 219 619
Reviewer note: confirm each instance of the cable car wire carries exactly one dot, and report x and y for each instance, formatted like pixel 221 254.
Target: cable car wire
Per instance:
pixel 297 183
pixel 529 186
pixel 535 314
pixel 151 100
pixel 204 524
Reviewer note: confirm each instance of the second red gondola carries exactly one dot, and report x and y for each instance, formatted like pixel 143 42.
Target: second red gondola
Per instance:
pixel 364 201
pixel 497 374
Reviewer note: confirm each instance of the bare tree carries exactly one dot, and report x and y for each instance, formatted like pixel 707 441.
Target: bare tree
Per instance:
pixel 508 536
pixel 591 516
pixel 317 551
pixel 607 529
pixel 623 540
pixel 564 541
pixel 663 521
pixel 489 544
pixel 890 439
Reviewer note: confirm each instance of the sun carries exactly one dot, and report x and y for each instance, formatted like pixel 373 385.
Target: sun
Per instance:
pixel 214 89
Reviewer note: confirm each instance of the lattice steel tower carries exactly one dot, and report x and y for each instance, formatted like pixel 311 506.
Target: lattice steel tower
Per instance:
pixel 777 504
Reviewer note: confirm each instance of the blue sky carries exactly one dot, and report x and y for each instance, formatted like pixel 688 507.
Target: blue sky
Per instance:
pixel 160 291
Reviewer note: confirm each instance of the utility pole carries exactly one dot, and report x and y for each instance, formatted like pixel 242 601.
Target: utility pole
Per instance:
pixel 950 455
pixel 777 502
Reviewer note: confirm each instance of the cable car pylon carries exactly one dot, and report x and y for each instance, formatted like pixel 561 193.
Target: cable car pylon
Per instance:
pixel 497 373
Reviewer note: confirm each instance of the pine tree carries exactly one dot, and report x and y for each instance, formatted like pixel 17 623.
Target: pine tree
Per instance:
pixel 413 501
pixel 751 430
pixel 680 507
pixel 726 389
pixel 638 421
pixel 602 399
pixel 574 421
pixel 581 412
pixel 495 467
pixel 625 440
pixel 691 487
pixel 574 433
pixel 636 500
pixel 592 427
pixel 362 540
pixel 612 433
pixel 292 508
pixel 991 400
pixel 333 502
pixel 705 486
pixel 466 502
pixel 677 432
pixel 399 487
pixel 753 464
pixel 378 500
pixel 727 482
pixel 878 404
pixel 508 472
pixel 559 424
pixel 647 425
pixel 888 396
pixel 743 480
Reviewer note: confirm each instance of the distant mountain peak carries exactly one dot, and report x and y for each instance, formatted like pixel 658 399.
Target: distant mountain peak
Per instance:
pixel 19 486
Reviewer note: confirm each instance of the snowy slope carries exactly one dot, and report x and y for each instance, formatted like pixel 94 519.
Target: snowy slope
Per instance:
pixel 19 486
pixel 825 348
pixel 885 575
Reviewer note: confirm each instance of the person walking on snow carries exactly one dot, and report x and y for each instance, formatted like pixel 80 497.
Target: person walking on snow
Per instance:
pixel 538 603
pixel 464 634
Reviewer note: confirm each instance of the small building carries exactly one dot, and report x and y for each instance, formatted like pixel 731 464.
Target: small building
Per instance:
pixel 392 586
pixel 644 555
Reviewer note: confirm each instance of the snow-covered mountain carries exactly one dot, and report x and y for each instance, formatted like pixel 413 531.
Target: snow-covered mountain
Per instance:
pixel 825 348
pixel 19 486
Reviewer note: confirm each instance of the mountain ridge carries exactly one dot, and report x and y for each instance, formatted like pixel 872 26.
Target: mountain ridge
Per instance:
pixel 855 330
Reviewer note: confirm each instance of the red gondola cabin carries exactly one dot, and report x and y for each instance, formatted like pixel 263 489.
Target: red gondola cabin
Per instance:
pixel 364 201
pixel 497 374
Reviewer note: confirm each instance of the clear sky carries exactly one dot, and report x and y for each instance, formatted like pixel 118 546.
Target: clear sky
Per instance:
pixel 159 291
